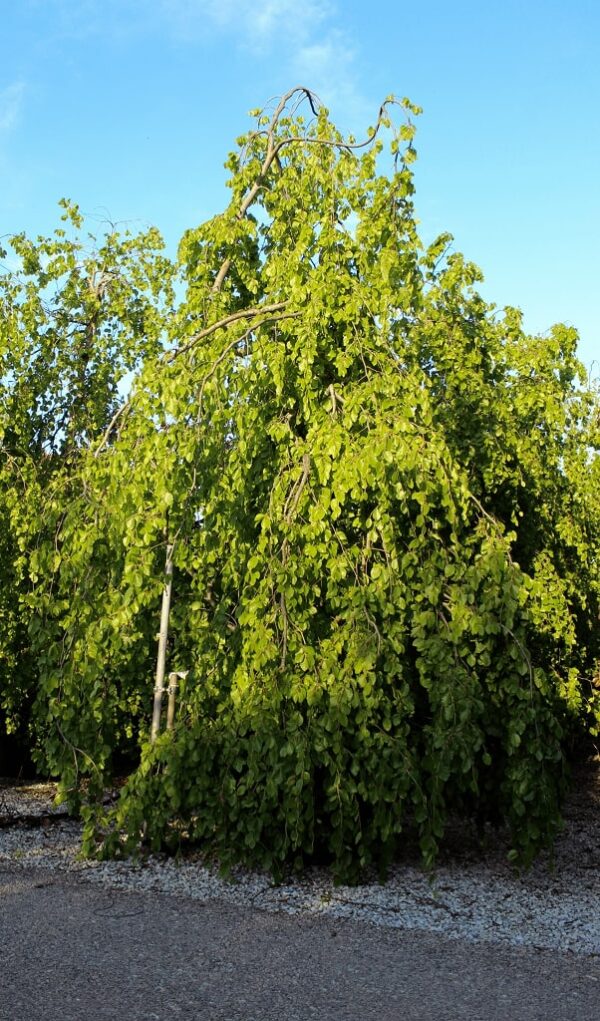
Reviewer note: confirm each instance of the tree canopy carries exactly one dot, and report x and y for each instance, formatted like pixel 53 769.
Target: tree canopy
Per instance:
pixel 378 493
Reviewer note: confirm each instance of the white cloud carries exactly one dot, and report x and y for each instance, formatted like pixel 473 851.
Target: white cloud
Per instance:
pixel 11 99
pixel 258 24
pixel 326 65
pixel 305 36
pixel 304 33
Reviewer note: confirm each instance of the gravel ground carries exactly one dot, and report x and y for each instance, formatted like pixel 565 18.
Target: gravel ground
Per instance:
pixel 471 895
pixel 72 950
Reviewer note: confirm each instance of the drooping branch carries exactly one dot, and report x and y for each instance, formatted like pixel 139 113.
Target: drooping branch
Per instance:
pixel 244 313
pixel 293 498
pixel 270 311
pixel 233 344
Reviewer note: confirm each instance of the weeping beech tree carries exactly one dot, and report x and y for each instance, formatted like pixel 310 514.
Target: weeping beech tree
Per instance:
pixel 379 498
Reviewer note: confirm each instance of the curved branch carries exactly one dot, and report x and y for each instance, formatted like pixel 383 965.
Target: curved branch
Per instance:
pixel 245 313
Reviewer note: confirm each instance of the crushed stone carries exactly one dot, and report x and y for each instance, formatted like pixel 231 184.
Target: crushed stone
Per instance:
pixel 472 894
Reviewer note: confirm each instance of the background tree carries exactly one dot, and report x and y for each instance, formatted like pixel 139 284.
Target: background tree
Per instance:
pixel 78 317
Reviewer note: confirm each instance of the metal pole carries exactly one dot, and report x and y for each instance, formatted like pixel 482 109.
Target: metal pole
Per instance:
pixel 173 678
pixel 163 634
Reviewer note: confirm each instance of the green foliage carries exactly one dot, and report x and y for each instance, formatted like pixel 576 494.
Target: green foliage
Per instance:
pixel 77 318
pixel 381 495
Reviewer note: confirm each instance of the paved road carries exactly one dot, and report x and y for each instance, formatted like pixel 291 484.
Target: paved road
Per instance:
pixel 75 952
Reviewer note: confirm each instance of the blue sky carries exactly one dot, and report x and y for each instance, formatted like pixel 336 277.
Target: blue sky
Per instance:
pixel 129 107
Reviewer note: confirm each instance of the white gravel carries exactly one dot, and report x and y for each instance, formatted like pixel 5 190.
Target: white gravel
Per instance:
pixel 469 896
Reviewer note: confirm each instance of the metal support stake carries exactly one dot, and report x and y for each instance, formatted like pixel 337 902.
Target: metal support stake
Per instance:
pixel 173 678
pixel 163 634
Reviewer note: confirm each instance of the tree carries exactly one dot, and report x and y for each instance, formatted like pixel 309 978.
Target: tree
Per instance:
pixel 379 494
pixel 77 318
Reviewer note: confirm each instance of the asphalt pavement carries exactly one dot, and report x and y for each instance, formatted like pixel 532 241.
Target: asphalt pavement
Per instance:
pixel 70 951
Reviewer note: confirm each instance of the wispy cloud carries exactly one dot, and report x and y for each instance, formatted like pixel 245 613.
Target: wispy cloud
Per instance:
pixel 257 24
pixel 306 34
pixel 308 37
pixel 328 66
pixel 11 100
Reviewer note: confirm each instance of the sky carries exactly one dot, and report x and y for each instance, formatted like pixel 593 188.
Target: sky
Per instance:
pixel 129 108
